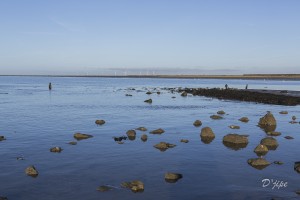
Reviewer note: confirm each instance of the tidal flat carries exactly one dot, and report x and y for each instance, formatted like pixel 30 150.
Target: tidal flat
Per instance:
pixel 119 158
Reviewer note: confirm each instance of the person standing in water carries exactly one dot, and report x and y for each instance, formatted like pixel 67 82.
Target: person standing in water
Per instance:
pixel 226 86
pixel 246 87
pixel 50 86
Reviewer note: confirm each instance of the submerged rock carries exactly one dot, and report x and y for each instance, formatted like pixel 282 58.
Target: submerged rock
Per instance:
pixel 141 128
pixel 56 149
pixel 221 112
pixel 2 138
pixel 135 186
pixel 244 119
pixel 144 138
pixel 278 163
pixel 235 141
pixel 258 163
pixel 72 143
pixel 104 188
pixel 216 117
pixel 270 142
pixel 207 135
pixel 234 127
pixel 148 101
pixel 99 122
pixel 273 133
pixel 158 131
pixel 184 141
pixel 284 112
pixel 81 136
pixel 31 171
pixel 197 123
pixel 261 150
pixel 172 177
pixel 163 146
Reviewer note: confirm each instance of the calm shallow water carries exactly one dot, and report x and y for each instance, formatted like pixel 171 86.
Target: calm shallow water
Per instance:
pixel 34 119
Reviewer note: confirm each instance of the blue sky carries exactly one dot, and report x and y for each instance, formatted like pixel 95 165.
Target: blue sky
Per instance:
pixel 201 36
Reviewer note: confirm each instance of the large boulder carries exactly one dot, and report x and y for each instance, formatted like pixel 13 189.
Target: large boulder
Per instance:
pixel 82 136
pixel 258 163
pixel 235 141
pixel 207 135
pixel 268 122
pixel 270 142
pixel 261 150
pixel 31 171
pixel 172 177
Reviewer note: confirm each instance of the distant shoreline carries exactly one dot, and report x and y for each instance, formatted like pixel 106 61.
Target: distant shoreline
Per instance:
pixel 244 76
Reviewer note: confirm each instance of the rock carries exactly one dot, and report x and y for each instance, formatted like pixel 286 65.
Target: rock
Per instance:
pixel 144 138
pixel 278 163
pixel 135 186
pixel 284 112
pixel 235 141
pixel 267 120
pixel 273 133
pixel 207 135
pixel 31 171
pixel 293 122
pixel 2 138
pixel 197 123
pixel 234 127
pixel 158 92
pixel 172 177
pixel 261 150
pixel 216 117
pixel 104 188
pixel 294 118
pixel 244 119
pixel 148 92
pixel 184 94
pixel 20 158
pixel 141 128
pixel 56 149
pixel 258 163
pixel 72 143
pixel 131 133
pixel 163 146
pixel 157 131
pixel 148 101
pixel 184 141
pixel 221 112
pixel 297 192
pixel 173 97
pixel 288 137
pixel 128 95
pixel 81 136
pixel 119 139
pixel 270 142
pixel 99 122
pixel 297 166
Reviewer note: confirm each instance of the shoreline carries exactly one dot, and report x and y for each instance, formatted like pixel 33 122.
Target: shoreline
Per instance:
pixel 291 77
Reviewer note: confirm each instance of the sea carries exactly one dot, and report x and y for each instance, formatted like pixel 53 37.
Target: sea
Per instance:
pixel 34 119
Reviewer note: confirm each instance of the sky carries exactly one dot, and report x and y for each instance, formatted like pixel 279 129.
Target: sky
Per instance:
pixel 149 36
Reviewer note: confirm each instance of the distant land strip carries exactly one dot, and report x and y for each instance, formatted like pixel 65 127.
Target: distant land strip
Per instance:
pixel 243 76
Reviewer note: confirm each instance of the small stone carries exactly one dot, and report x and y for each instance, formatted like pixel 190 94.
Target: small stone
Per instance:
pixel 141 128
pixel 216 117
pixel 81 136
pixel 56 149
pixel 172 177
pixel 148 92
pixel 104 188
pixel 273 133
pixel 197 123
pixel 258 163
pixel 294 118
pixel 283 112
pixel 244 119
pixel 221 112
pixel 72 143
pixel 148 101
pixel 261 150
pixel 144 138
pixel 31 171
pixel 278 162
pixel 184 141
pixel 157 131
pixel 234 127
pixel 128 95
pixel 2 138
pixel 288 137
pixel 99 122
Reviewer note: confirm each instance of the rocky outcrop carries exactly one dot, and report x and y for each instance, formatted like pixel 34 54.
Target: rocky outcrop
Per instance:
pixel 31 171
pixel 235 141
pixel 135 186
pixel 270 142
pixel 163 146
pixel 258 163
pixel 82 136
pixel 172 177
pixel 99 122
pixel 158 131
pixel 261 150
pixel 197 123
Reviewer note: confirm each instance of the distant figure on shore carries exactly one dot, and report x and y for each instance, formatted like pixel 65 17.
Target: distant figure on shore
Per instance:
pixel 50 86
pixel 226 86
pixel 246 87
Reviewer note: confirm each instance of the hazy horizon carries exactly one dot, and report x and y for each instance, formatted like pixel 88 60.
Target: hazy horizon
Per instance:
pixel 149 37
